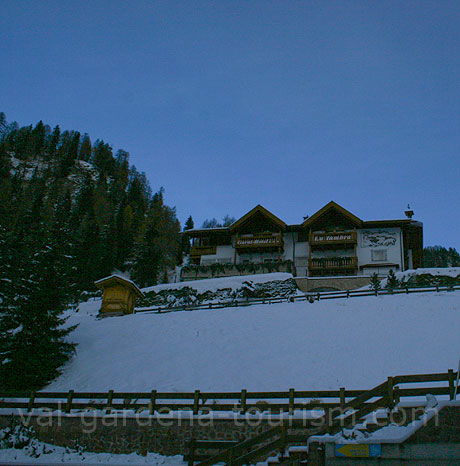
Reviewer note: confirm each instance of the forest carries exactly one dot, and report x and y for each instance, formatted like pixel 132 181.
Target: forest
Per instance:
pixel 71 212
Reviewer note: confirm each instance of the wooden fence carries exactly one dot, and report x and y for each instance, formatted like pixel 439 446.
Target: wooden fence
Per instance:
pixel 237 402
pixel 311 297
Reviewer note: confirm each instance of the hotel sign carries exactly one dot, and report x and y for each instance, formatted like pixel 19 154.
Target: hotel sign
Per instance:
pixel 333 237
pixel 258 242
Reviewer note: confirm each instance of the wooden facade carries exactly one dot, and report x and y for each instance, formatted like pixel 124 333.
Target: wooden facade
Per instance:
pixel 119 295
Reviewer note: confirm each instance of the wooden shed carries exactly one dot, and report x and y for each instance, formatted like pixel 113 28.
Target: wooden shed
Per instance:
pixel 119 295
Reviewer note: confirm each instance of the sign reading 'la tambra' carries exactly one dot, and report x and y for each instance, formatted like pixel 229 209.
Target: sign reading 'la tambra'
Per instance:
pixel 339 237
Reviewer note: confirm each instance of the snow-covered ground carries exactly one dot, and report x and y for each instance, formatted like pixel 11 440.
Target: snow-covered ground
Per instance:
pixel 352 343
pixel 47 455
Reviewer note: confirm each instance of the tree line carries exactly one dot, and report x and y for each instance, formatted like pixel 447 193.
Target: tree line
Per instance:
pixel 439 256
pixel 71 211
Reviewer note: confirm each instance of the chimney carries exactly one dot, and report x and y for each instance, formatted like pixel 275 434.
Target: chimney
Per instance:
pixel 409 212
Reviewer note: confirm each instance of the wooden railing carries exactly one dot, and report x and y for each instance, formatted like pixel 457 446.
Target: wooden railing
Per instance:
pixel 311 297
pixel 336 237
pixel 235 402
pixel 202 250
pixel 333 263
pixel 345 411
pixel 385 395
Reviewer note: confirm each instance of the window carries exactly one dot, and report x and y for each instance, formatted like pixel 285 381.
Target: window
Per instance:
pixel 302 236
pixel 379 255
pixel 225 260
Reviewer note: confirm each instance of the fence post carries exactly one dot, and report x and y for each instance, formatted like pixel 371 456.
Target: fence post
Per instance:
pixel 342 397
pixel 451 384
pixel 390 387
pixel 243 401
pixel 348 293
pixel 397 397
pixel 153 399
pixel 196 402
pixel 191 452
pixel 407 290
pixel 319 296
pixel 109 402
pixel 31 401
pixel 230 457
pixel 291 400
pixel 283 438
pixel 68 405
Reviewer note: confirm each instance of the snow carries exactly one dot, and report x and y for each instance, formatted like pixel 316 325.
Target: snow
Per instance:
pixel 121 277
pixel 354 343
pixel 452 272
pixel 49 455
pixel 389 434
pixel 214 284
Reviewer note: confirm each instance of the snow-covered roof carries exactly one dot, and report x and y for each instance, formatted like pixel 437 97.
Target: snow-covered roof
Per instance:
pixel 119 278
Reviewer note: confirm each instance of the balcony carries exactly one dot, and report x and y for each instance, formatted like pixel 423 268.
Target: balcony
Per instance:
pixel 260 241
pixel 336 237
pixel 329 263
pixel 202 250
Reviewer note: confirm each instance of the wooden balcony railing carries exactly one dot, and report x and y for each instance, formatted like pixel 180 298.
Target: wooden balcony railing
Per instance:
pixel 333 263
pixel 336 237
pixel 202 250
pixel 260 241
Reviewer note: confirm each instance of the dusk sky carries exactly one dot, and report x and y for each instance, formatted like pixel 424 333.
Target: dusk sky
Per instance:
pixel 230 104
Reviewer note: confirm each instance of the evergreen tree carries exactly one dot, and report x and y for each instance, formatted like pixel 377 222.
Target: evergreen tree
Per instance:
pixel 392 281
pixel 53 143
pixel 375 282
pixel 32 332
pixel 3 124
pixel 185 241
pixel 227 221
pixel 439 256
pixel 211 223
pixel 85 149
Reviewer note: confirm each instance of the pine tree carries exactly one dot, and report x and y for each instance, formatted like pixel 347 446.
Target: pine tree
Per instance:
pixel 375 282
pixel 3 124
pixel 392 281
pixel 53 143
pixel 211 223
pixel 32 332
pixel 85 148
pixel 185 240
pixel 227 220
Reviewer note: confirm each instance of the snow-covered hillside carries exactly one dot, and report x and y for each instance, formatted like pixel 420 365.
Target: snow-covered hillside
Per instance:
pixel 355 343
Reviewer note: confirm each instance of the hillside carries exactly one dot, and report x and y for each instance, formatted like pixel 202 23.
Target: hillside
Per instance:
pixel 109 217
pixel 355 343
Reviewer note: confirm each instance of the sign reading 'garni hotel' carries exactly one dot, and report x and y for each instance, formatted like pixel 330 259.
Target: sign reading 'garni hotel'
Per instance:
pixel 268 241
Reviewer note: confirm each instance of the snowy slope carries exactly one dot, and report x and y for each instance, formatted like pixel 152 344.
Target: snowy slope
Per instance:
pixel 355 343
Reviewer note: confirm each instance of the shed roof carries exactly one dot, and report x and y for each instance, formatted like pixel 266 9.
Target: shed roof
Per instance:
pixel 112 279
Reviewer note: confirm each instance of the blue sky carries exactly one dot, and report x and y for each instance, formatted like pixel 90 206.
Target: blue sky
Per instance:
pixel 228 104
